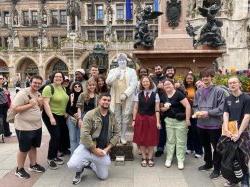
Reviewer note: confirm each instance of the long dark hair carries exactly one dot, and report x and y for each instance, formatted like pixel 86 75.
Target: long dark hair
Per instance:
pixel 103 89
pixel 185 81
pixel 76 94
pixel 72 90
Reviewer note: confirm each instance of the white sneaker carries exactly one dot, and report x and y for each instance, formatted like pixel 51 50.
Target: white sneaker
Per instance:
pixel 188 152
pixel 180 165
pixel 123 141
pixel 168 163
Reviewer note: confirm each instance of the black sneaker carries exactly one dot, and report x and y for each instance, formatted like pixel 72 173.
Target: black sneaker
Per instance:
pixel 214 175
pixel 58 161
pixel 21 173
pixel 205 167
pixel 78 177
pixel 158 153
pixel 52 164
pixel 37 168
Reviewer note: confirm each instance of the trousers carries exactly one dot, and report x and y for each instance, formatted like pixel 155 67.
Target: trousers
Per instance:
pixel 208 137
pixel 122 118
pixel 176 138
pixel 74 134
pixel 81 155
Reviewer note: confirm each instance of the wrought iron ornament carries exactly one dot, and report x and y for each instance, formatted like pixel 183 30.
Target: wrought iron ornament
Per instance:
pixel 173 13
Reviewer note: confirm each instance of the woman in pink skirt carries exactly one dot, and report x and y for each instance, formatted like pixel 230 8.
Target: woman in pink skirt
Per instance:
pixel 146 120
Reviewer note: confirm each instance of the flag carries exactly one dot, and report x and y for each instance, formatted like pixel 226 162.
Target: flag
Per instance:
pixel 156 6
pixel 128 10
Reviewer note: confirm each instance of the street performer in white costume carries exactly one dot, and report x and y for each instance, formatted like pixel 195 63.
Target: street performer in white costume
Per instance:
pixel 123 82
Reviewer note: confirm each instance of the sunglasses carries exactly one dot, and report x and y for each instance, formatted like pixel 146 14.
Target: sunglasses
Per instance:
pixel 77 86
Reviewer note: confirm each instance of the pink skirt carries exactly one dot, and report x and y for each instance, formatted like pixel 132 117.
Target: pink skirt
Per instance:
pixel 145 130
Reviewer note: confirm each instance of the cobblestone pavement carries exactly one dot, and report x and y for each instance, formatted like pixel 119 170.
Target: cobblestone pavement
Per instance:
pixel 129 175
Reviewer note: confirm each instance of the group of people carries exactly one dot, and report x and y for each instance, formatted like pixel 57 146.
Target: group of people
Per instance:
pixel 88 116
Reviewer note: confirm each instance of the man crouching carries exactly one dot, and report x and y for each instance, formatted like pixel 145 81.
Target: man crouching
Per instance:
pixel 99 133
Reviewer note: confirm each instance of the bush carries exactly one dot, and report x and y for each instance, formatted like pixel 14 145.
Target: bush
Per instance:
pixel 222 80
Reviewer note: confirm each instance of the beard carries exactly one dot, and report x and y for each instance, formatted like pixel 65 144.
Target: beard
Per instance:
pixel 159 74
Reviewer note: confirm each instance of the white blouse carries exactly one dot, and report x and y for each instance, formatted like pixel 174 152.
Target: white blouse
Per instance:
pixel 157 98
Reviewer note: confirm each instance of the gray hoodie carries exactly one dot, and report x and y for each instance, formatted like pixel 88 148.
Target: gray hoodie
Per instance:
pixel 210 99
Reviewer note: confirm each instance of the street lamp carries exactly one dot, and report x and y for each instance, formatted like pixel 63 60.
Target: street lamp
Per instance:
pixel 73 36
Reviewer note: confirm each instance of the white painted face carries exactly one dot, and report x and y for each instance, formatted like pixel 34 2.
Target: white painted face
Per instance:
pixel 122 63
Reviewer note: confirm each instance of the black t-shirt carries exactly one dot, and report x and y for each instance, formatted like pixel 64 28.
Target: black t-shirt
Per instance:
pixel 90 105
pixel 176 106
pixel 237 107
pixel 102 140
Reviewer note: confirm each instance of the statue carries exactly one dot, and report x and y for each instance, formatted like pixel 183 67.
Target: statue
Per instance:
pixel 73 10
pixel 44 18
pixel 16 40
pixel 108 33
pixel 210 33
pixel 191 8
pixel 123 82
pixel 173 13
pixel 15 17
pixel 143 37
pixel 99 57
pixel 192 31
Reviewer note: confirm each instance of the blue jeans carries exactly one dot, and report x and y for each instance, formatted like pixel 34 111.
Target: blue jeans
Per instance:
pixel 74 134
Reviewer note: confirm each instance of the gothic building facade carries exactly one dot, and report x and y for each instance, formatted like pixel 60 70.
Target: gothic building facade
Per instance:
pixel 41 36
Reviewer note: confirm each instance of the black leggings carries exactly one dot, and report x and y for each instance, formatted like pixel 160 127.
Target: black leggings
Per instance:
pixel 59 135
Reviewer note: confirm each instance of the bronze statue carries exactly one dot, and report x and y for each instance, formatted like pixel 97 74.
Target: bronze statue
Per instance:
pixel 143 37
pixel 210 33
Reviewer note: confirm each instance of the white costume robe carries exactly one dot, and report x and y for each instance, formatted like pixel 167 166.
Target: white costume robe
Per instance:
pixel 123 110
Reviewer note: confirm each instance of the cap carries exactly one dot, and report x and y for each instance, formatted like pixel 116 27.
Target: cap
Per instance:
pixel 81 71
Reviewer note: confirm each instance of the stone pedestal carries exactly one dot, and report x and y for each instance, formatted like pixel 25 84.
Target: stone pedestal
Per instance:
pixel 169 38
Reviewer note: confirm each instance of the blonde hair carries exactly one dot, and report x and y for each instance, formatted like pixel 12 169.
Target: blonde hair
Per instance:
pixel 86 93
